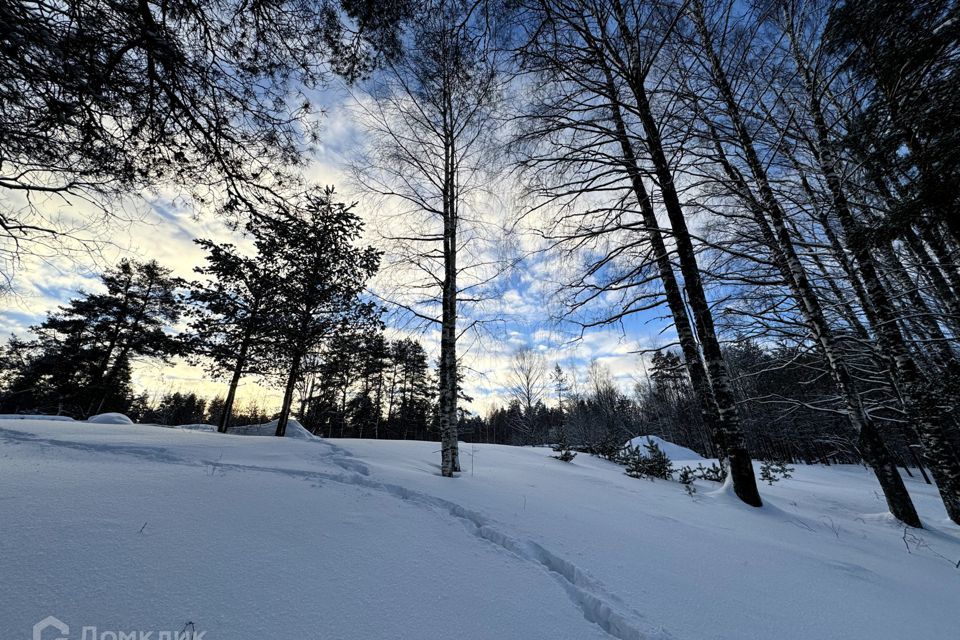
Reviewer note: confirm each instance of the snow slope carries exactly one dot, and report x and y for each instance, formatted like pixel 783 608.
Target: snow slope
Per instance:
pixel 138 527
pixel 673 451
pixel 110 418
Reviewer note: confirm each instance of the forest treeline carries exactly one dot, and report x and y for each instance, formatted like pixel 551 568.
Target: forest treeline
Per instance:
pixel 776 178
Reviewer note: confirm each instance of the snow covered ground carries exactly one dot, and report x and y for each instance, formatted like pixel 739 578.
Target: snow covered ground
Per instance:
pixel 135 527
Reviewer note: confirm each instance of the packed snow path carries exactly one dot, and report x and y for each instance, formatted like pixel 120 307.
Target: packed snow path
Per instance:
pixel 139 527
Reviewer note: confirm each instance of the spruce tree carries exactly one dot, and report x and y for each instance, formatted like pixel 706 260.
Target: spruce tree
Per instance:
pixel 562 448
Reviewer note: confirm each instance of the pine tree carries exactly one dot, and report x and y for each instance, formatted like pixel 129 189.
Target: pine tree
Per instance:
pixel 228 328
pixel 648 462
pixel 562 448
pixel 80 363
pixel 774 470
pixel 686 477
pixel 322 275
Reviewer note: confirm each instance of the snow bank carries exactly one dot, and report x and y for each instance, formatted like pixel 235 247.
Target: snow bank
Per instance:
pixel 207 428
pixel 110 418
pixel 673 451
pixel 294 430
pixel 27 416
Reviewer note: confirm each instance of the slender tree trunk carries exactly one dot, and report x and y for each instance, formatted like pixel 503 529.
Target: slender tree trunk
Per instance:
pixel 232 389
pixel 288 394
pixel 450 462
pixel 738 462
pixel 771 219
pixel 678 310
pixel 919 392
pixel 740 466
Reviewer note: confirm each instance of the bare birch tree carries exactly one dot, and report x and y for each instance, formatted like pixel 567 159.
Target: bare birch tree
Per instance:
pixel 431 121
pixel 602 61
pixel 753 189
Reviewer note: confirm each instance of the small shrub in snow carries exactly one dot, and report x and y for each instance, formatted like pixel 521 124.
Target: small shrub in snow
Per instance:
pixel 658 464
pixel 634 462
pixel 608 448
pixel 713 473
pixel 686 477
pixel 774 470
pixel 562 447
pixel 654 463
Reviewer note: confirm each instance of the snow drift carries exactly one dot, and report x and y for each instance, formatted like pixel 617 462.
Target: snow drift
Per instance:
pixel 673 451
pixel 294 430
pixel 109 418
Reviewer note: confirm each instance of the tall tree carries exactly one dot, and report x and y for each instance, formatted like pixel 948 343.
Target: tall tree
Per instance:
pixel 431 121
pixel 753 188
pixel 527 385
pixel 82 357
pixel 322 276
pixel 921 392
pixel 229 314
pixel 606 57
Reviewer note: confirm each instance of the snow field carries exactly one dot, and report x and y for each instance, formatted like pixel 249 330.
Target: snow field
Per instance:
pixel 139 527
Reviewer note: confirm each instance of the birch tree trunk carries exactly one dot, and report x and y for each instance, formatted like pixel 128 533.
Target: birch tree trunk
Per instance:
pixel 772 221
pixel 450 458
pixel 918 391
pixel 740 465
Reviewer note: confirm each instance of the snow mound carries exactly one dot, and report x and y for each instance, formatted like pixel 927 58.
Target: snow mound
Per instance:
pixel 673 451
pixel 109 418
pixel 27 416
pixel 209 428
pixel 206 428
pixel 294 430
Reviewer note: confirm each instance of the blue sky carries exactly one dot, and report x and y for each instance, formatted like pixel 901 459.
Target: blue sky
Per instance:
pixel 524 308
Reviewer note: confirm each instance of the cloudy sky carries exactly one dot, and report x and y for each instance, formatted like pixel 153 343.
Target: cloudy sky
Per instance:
pixel 523 309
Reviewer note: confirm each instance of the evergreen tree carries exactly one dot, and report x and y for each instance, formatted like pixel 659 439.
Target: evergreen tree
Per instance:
pixel 562 447
pixel 80 362
pixel 321 277
pixel 774 470
pixel 410 405
pixel 228 327
pixel 105 99
pixel 648 462
pixel 178 408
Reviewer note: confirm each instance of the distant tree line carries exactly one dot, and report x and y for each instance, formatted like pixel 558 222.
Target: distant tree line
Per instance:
pixel 776 389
